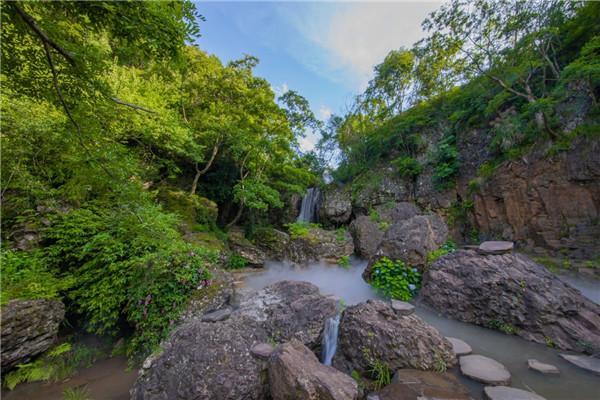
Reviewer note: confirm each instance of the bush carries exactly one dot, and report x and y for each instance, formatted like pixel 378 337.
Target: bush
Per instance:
pixel 448 247
pixel 394 279
pixel 300 229
pixel 26 276
pixel 407 167
pixel 237 262
pixel 344 262
pixel 445 163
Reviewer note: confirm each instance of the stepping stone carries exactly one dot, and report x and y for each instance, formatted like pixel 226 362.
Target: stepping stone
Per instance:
pixel 484 369
pixel 217 316
pixel 496 247
pixel 542 367
pixel 460 347
pixel 262 350
pixel 402 307
pixel 509 393
pixel 591 364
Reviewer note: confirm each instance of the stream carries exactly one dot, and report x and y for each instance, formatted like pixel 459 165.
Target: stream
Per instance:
pixel 573 383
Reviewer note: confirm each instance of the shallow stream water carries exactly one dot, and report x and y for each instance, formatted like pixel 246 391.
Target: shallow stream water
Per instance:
pixel 573 383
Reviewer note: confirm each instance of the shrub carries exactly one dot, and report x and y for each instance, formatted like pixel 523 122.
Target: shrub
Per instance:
pixel 237 262
pixel 300 229
pixel 394 279
pixel 445 162
pixel 344 262
pixel 407 167
pixel 446 248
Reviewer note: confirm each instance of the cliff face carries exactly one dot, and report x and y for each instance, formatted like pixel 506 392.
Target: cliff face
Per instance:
pixel 545 203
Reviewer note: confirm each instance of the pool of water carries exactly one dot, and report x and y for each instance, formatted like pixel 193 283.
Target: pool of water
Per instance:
pixel 572 383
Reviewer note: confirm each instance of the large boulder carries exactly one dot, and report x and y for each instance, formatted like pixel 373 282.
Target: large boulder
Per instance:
pixel 373 332
pixel 214 295
pixel 272 241
pixel 204 360
pixel 296 373
pixel 411 240
pixel 512 293
pixel 367 235
pixel 412 384
pixel 29 327
pixel 320 244
pixel 244 248
pixel 336 206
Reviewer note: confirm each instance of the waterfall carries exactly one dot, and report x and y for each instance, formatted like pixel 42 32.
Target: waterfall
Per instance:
pixel 330 337
pixel 310 206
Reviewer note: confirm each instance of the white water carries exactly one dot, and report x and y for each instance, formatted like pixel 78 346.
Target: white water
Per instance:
pixel 347 284
pixel 330 336
pixel 310 204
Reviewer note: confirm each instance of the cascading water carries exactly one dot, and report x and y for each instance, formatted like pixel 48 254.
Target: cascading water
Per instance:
pixel 310 204
pixel 330 337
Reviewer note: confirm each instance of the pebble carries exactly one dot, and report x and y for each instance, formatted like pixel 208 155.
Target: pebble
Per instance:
pixel 402 307
pixel 496 247
pixel 262 350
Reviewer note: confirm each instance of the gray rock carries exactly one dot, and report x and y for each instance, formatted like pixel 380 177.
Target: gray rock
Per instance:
pixel 402 307
pixel 262 350
pixel 367 236
pixel 336 206
pixel 460 347
pixel 484 369
pixel 396 212
pixel 589 363
pixel 374 331
pixel 29 327
pixel 411 240
pixel 411 384
pixel 542 367
pixel 217 316
pixel 509 393
pixel 320 244
pixel 206 299
pixel 496 247
pixel 203 360
pixel 274 242
pixel 246 249
pixel 510 291
pixel 295 373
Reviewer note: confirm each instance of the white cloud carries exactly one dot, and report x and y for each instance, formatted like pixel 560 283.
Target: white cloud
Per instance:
pixel 324 113
pixel 308 142
pixel 281 89
pixel 357 36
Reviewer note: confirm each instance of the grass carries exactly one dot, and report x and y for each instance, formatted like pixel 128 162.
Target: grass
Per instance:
pixel 76 393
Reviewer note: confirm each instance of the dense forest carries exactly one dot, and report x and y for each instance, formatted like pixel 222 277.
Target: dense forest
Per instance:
pixel 129 154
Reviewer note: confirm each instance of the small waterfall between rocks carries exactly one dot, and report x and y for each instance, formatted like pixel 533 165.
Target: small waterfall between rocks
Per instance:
pixel 330 337
pixel 310 206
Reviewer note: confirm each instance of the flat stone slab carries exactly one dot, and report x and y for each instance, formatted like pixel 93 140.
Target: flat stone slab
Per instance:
pixel 217 316
pixel 460 347
pixel 496 247
pixel 402 307
pixel 509 393
pixel 542 367
pixel 591 364
pixel 484 369
pixel 262 350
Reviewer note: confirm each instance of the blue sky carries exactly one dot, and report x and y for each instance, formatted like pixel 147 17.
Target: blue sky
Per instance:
pixel 324 50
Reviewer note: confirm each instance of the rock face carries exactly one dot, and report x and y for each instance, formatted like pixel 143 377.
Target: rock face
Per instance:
pixel 550 203
pixel 412 384
pixel 272 241
pixel 320 244
pixel 484 369
pixel 373 331
pixel 244 248
pixel 295 373
pixel 509 393
pixel 202 360
pixel 336 206
pixel 206 299
pixel 367 236
pixel 29 327
pixel 512 293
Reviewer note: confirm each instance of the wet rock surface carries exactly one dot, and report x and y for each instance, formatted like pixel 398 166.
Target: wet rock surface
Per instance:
pixel 202 360
pixel 509 393
pixel 295 373
pixel 484 369
pixel 29 327
pixel 459 347
pixel 542 367
pixel 510 292
pixel 589 363
pixel 411 384
pixel 374 331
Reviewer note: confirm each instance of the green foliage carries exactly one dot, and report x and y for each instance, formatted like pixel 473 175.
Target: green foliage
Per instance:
pixel 408 167
pixel 505 327
pixel 340 234
pixel 344 262
pixel 374 215
pixel 448 247
pixel 394 279
pixel 55 365
pixel 300 229
pixel 378 370
pixel 237 262
pixel 445 162
pixel 76 393
pixel 26 276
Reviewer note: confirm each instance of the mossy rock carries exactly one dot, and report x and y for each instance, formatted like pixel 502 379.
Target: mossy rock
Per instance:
pixel 192 208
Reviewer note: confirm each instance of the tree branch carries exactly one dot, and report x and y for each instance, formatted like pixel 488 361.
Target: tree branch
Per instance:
pixel 41 34
pixel 134 106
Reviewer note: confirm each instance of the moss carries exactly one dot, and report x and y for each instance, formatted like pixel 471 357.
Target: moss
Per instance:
pixel 193 209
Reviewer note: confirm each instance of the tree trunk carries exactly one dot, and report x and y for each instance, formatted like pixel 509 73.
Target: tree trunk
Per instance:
pixel 201 172
pixel 237 217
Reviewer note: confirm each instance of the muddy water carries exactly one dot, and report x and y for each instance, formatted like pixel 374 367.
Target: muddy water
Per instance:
pixel 107 379
pixel 572 383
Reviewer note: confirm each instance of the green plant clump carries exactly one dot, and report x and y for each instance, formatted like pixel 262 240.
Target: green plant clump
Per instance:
pixel 236 262
pixel 394 279
pixel 300 229
pixel 448 247
pixel 344 262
